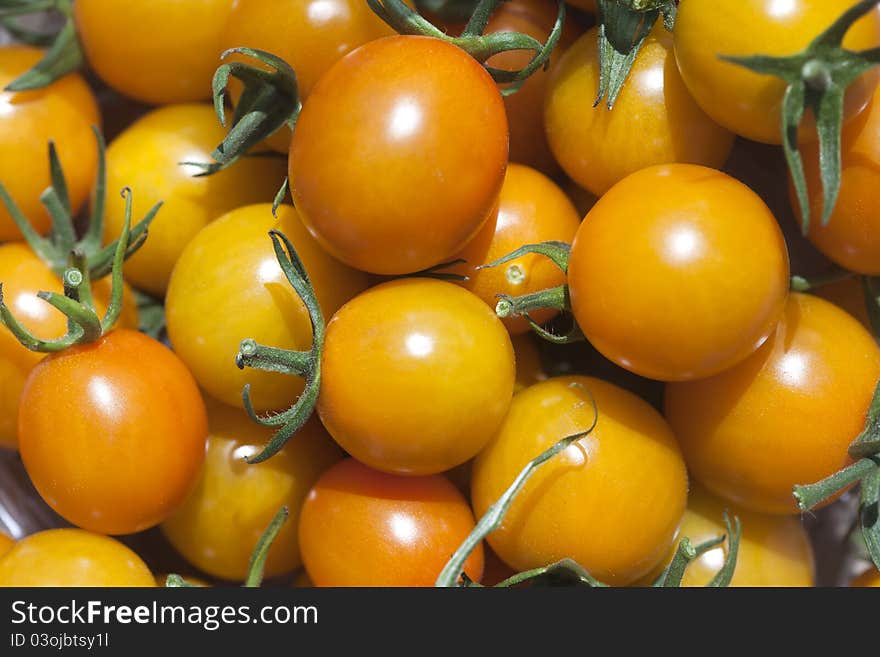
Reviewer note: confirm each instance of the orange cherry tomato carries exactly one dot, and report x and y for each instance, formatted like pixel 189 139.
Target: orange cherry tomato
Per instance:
pixel 531 209
pixel 6 543
pixel 147 157
pixel 158 52
pixel 611 501
pixel 360 527
pixel 848 294
pixel 869 578
pixel 112 433
pixel 417 375
pixel 745 102
pixel 217 528
pixel 23 274
pixel 230 266
pixel 654 121
pixel 395 166
pixel 785 415
pixel 678 272
pixel 72 557
pixel 63 112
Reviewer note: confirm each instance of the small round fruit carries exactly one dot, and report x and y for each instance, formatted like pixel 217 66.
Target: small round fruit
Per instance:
pixel 848 294
pixel 869 578
pixel 6 543
pixel 529 368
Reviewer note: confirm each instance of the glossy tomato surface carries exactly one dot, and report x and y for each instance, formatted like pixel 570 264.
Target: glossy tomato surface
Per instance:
pixel 230 270
pixel 784 416
pixel 749 103
pixel 611 501
pixel 63 112
pixel 678 272
pixel 394 166
pixel 417 376
pixel 361 527
pixel 72 557
pixel 112 433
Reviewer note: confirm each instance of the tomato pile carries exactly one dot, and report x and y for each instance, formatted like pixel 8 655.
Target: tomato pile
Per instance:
pixel 513 297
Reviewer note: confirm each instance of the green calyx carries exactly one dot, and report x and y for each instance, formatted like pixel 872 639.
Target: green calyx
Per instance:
pixel 817 79
pixel 64 54
pixel 623 27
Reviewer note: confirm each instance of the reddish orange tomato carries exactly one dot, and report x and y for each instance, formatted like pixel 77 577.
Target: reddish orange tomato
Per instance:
pixel 654 121
pixel 744 102
pixel 72 557
pixel 169 52
pixel 112 433
pixel 360 527
pixel 394 167
pixel 63 112
pixel 202 289
pixel 869 578
pixel 785 415
pixel 218 526
pixel 588 503
pixel 23 274
pixel 531 209
pixel 678 272
pixel 437 366
pixel 848 294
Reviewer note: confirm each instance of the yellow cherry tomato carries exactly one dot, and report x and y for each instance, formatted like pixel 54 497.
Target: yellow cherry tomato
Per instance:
pixel 869 578
pixel 6 543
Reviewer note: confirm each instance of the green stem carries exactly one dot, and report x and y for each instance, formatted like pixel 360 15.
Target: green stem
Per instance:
pixel 261 552
pixel 567 569
pixel 809 496
pixel 810 283
pixel 684 555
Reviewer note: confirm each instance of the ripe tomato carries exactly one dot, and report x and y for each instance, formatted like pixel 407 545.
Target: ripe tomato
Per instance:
pixel 158 52
pixel 395 166
pixel 417 376
pixel 147 157
pixel 655 120
pixel 849 295
pixel 360 527
pixel 72 557
pixel 202 289
pixel 529 369
pixel 785 415
pixel 869 578
pixel 589 503
pixel 531 209
pixel 63 112
pixel 23 274
pixel 678 272
pixel 220 523
pixel 852 236
pixel 747 103
pixel 6 543
pixel 112 433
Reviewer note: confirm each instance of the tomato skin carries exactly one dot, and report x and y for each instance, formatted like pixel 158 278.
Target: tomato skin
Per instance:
pixel 64 112
pixel 169 51
pixel 72 557
pixel 654 121
pixel 849 295
pixel 744 102
pixel 439 368
pixel 784 416
pixel 529 368
pixel 358 173
pixel 361 527
pixel 146 157
pixel 678 272
pixel 202 289
pixel 588 503
pixel 218 526
pixel 6 543
pixel 531 209
pixel 869 578
pixel 112 433
pixel 23 274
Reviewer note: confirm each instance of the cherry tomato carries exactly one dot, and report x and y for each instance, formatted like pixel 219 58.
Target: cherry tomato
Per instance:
pixel 23 274
pixel 395 166
pixel 869 578
pixel 147 157
pixel 230 266
pixel 849 295
pixel 531 209
pixel 785 415
pixel 611 501
pixel 654 121
pixel 360 527
pixel 417 376
pixel 64 112
pixel 529 368
pixel 158 52
pixel 678 272
pixel 72 557
pixel 220 523
pixel 748 103
pixel 112 433
pixel 6 543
